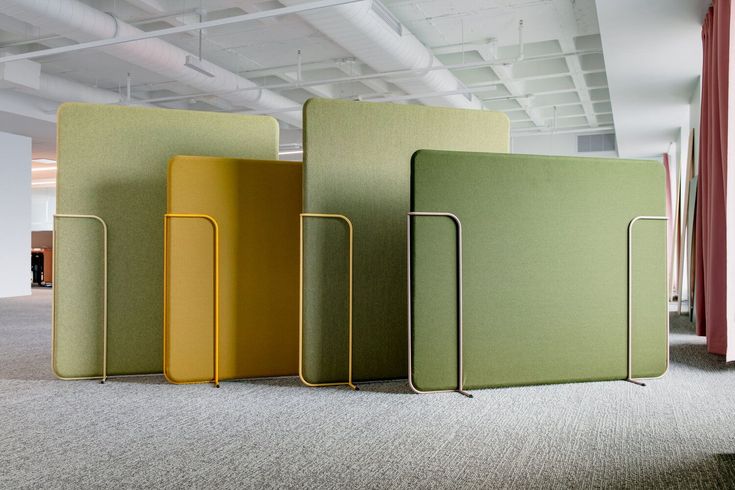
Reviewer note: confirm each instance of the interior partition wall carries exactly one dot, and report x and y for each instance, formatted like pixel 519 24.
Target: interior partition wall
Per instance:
pixel 111 199
pixel 563 270
pixel 356 168
pixel 232 266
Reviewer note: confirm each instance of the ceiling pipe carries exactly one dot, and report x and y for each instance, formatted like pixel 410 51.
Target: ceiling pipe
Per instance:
pixel 402 98
pixel 135 22
pixel 521 50
pixel 369 32
pixel 64 90
pixel 80 22
pixel 139 35
pixel 540 131
pixel 58 89
pixel 380 75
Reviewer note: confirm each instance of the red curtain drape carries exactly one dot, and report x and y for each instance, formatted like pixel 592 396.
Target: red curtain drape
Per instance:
pixel 711 226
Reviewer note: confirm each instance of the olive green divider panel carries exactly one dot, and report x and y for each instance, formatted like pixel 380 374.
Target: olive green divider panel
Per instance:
pixel 256 205
pixel 356 163
pixel 112 163
pixel 545 253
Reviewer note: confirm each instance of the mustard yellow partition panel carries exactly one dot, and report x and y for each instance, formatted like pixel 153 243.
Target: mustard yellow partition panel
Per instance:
pixel 256 205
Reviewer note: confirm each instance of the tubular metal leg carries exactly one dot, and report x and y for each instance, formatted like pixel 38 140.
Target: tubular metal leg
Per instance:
pixel 629 376
pixel 215 227
pixel 460 322
pixel 301 299
pixel 103 378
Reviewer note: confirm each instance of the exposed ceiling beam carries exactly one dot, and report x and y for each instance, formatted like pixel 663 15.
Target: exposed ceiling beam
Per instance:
pixel 514 87
pixel 568 30
pixel 151 6
pixel 326 91
pixel 351 67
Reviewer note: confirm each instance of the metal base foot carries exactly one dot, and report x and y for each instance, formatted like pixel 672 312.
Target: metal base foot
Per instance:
pixel 216 385
pixel 102 382
pixel 355 388
pixel 462 392
pixel 635 382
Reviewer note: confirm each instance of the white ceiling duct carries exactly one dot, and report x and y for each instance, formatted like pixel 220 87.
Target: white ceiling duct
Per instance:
pixel 80 22
pixel 64 90
pixel 371 33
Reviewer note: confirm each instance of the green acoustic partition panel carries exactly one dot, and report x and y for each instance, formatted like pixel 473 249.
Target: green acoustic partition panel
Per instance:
pixel 112 164
pixel 545 265
pixel 356 163
pixel 256 206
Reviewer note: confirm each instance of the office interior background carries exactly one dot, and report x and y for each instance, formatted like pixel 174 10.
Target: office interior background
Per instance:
pixel 95 94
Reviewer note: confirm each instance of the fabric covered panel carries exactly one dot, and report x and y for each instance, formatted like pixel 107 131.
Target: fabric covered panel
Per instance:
pixel 356 163
pixel 112 163
pixel 256 205
pixel 545 269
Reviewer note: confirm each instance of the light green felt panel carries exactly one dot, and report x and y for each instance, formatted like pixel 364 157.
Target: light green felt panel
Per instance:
pixel 545 269
pixel 356 163
pixel 112 163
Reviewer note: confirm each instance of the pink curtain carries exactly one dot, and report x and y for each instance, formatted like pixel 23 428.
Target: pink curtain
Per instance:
pixel 710 258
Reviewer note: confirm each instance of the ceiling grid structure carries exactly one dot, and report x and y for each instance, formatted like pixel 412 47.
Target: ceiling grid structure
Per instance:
pixel 463 53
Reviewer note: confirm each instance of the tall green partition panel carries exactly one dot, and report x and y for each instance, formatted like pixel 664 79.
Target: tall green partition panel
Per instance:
pixel 545 253
pixel 112 163
pixel 356 163
pixel 256 206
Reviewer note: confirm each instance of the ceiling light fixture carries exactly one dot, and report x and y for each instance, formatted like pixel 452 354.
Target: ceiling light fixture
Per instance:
pixel 44 160
pixel 43 169
pixel 291 152
pixel 197 64
pixel 47 182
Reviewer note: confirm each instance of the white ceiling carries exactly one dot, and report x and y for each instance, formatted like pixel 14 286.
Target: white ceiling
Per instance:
pixel 653 53
pixel 637 89
pixel 458 31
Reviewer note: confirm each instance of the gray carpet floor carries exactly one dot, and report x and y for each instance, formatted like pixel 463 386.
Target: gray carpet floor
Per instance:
pixel 678 432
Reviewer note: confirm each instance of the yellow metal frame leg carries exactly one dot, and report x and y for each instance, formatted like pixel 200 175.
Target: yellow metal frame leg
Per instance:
pixel 215 228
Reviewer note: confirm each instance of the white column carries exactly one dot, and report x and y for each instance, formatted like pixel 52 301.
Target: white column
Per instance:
pixel 15 215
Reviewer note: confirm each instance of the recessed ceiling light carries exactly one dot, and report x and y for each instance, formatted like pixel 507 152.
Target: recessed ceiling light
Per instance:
pixel 44 160
pixel 46 182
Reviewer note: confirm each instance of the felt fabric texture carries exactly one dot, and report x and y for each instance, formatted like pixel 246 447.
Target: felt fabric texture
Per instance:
pixel 112 163
pixel 357 163
pixel 256 204
pixel 545 265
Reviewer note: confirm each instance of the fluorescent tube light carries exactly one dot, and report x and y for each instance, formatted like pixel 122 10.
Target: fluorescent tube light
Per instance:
pixel 197 65
pixel 44 160
pixel 45 182
pixel 43 169
pixel 291 152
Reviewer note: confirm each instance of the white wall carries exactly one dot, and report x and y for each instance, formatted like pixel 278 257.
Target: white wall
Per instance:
pixel 564 144
pixel 15 215
pixel 695 112
pixel 695 109
pixel 43 208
